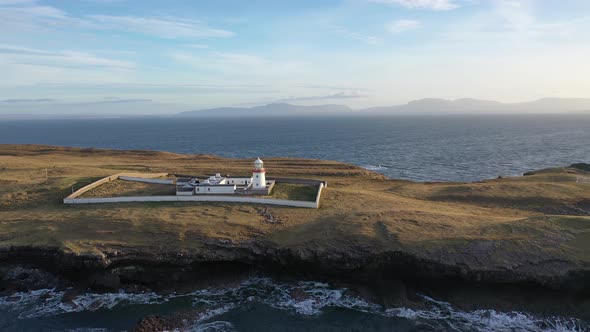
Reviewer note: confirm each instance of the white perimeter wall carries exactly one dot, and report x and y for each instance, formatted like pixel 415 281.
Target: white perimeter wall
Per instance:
pixel 95 184
pixel 231 199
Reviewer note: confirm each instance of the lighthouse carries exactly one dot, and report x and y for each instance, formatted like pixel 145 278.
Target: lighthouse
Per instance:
pixel 258 175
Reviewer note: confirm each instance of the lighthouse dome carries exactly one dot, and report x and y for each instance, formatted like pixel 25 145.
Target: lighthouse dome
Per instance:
pixel 258 162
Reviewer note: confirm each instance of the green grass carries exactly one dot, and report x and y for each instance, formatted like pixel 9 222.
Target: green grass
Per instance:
pixel 294 192
pixel 120 188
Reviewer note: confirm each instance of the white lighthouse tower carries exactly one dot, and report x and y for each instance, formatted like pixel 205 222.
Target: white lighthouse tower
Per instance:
pixel 258 175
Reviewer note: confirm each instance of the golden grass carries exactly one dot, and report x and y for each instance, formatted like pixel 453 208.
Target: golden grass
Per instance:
pixel 295 192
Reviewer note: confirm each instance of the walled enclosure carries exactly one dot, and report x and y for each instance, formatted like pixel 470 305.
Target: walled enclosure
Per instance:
pixel 145 177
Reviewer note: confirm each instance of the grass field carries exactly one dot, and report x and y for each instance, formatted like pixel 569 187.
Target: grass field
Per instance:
pixel 545 214
pixel 120 188
pixel 295 192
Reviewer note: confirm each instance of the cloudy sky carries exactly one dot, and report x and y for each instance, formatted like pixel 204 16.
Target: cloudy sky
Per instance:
pixel 147 56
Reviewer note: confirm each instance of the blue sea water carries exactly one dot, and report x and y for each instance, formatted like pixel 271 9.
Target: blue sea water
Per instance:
pixel 423 148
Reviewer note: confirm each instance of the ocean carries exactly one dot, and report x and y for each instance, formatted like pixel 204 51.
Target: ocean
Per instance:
pixel 259 304
pixel 421 148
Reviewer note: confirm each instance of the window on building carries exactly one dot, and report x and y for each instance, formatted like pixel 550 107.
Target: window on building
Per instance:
pixel 208 189
pixel 257 176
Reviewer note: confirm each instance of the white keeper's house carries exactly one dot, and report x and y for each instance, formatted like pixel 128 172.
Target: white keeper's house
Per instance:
pixel 226 185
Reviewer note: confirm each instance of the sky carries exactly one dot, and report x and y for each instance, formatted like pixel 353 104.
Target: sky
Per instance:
pixel 160 57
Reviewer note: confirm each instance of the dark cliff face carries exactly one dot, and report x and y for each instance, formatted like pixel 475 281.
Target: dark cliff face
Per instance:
pixel 30 268
pixel 391 278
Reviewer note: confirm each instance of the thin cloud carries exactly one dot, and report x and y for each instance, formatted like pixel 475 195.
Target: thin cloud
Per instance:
pixel 400 26
pixel 197 46
pixel 335 96
pixel 333 87
pixel 62 59
pixel 38 100
pixel 15 2
pixel 31 11
pixel 367 39
pixel 10 49
pixel 238 64
pixel 112 101
pixel 421 4
pixel 147 88
pixel 17 15
pixel 171 28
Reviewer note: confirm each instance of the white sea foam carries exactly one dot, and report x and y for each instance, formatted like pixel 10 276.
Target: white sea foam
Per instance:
pixel 375 167
pixel 216 326
pixel 313 296
pixel 300 298
pixel 485 320
pixel 48 302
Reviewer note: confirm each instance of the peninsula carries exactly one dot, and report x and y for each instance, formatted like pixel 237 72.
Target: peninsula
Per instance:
pixel 532 229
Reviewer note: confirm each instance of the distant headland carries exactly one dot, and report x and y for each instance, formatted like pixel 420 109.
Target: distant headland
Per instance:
pixel 430 106
pixel 52 109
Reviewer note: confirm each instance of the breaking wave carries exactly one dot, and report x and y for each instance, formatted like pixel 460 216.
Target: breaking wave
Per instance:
pixel 49 302
pixel 378 167
pixel 304 298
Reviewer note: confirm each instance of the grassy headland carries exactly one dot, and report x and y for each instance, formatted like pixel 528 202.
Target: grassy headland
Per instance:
pixel 534 225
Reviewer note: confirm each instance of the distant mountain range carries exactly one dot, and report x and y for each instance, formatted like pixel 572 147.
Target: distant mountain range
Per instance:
pixel 467 105
pixel 422 106
pixel 277 109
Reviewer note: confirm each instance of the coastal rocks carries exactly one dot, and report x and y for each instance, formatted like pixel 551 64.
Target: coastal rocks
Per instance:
pixel 298 294
pixel 268 216
pixel 155 324
pixel 105 282
pixel 135 269
pixel 179 321
pixel 17 277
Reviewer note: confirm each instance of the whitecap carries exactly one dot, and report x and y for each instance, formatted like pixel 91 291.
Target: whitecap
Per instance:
pixel 215 326
pixel 48 302
pixel 486 320
pixel 375 167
